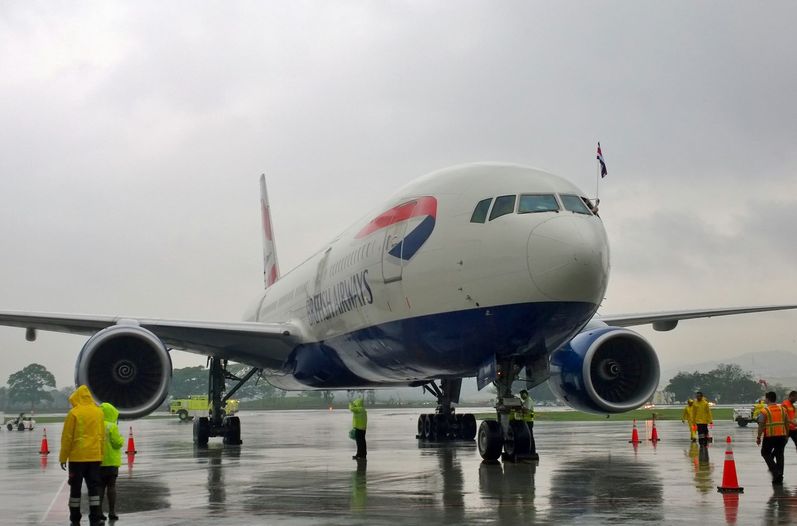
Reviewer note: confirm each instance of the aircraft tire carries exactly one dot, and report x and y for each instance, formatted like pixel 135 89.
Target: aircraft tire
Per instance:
pixel 467 427
pixel 422 426
pixel 428 433
pixel 232 437
pixel 201 431
pixel 518 439
pixel 490 441
pixel 441 426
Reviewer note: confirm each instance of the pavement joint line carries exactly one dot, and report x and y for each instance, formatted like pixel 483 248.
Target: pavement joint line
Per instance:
pixel 52 503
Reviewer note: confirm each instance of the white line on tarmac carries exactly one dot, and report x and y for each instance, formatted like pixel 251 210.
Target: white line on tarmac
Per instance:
pixel 50 507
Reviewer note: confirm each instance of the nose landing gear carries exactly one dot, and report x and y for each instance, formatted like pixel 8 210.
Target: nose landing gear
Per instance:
pixel 511 432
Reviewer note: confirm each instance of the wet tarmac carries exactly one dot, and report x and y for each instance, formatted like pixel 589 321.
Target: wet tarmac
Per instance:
pixel 296 468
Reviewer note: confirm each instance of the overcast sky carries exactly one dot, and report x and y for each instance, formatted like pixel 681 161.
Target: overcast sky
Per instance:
pixel 132 136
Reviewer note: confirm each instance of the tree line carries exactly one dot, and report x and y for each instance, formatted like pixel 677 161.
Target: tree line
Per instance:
pixel 727 384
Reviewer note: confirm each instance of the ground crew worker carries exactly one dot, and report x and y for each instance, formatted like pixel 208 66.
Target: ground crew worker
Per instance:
pixel 701 415
pixel 359 422
pixel 111 459
pixel 527 409
pixel 773 424
pixel 790 413
pixel 757 407
pixel 82 445
pixel 687 417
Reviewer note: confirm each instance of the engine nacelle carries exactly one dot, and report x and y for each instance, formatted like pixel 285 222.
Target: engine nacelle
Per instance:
pixel 605 370
pixel 127 366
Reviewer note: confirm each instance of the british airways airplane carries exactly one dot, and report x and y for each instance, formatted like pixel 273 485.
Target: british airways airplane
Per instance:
pixel 493 271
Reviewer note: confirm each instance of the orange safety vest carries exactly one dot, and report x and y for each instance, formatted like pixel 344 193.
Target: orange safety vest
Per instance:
pixel 789 413
pixel 775 421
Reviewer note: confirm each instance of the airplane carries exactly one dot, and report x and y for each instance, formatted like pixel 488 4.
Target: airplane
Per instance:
pixel 486 270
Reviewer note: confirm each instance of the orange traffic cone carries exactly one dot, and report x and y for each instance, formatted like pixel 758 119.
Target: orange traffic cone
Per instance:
pixel 45 449
pixel 131 444
pixel 634 435
pixel 654 435
pixel 730 484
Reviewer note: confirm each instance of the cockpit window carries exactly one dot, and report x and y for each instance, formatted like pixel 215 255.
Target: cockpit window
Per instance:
pixel 575 204
pixel 480 212
pixel 504 204
pixel 537 203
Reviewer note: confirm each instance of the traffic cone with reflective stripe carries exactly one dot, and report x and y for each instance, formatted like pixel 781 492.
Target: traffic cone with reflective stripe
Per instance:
pixel 654 435
pixel 634 435
pixel 45 449
pixel 131 444
pixel 730 484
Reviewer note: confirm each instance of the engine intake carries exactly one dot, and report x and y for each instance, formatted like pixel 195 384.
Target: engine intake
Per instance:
pixel 606 370
pixel 127 366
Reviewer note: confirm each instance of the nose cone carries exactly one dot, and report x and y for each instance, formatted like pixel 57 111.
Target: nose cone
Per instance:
pixel 569 258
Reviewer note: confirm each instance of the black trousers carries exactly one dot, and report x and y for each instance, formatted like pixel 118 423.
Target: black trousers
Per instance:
pixel 90 472
pixel 702 434
pixel 533 448
pixel 359 437
pixel 772 451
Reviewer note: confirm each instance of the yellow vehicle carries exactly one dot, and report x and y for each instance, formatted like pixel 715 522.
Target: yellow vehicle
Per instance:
pixel 197 405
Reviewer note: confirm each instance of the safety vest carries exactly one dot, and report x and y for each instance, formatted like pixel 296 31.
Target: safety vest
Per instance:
pixel 775 421
pixel 789 413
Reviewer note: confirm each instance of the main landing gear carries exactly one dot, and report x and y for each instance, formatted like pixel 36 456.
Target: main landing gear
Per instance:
pixel 509 432
pixel 218 424
pixel 443 425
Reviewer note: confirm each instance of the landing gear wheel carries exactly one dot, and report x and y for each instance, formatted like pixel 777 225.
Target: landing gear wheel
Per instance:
pixel 467 428
pixel 428 427
pixel 201 431
pixel 440 427
pixel 233 434
pixel 421 427
pixel 490 441
pixel 182 414
pixel 518 439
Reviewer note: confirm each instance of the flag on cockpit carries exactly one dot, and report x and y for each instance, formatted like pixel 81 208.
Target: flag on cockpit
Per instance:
pixel 600 160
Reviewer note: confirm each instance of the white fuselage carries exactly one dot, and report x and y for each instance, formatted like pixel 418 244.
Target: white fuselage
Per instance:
pixel 420 257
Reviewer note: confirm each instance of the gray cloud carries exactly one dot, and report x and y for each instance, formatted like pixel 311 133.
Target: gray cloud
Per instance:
pixel 134 133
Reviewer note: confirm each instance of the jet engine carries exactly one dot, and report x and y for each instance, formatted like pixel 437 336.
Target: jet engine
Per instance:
pixel 127 366
pixel 605 370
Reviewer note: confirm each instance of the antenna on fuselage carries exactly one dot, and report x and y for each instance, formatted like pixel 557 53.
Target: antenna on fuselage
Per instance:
pixel 270 266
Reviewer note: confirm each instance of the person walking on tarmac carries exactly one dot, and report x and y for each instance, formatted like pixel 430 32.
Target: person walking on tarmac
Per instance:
pixel 111 459
pixel 82 445
pixel 527 408
pixel 774 426
pixel 790 413
pixel 359 422
pixel 688 417
pixel 701 416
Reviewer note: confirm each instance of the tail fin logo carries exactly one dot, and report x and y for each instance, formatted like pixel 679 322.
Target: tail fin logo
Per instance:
pixel 270 266
pixel 420 215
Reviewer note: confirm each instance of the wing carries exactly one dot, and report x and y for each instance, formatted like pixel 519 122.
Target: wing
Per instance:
pixel 666 321
pixel 260 344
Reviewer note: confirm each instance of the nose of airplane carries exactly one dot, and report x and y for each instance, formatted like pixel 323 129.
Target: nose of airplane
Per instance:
pixel 569 258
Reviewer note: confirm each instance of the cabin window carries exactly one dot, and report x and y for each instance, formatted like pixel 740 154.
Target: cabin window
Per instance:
pixel 504 204
pixel 575 204
pixel 480 212
pixel 531 203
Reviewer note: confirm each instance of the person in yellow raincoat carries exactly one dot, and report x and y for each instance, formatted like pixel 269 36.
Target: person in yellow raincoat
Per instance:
pixel 111 459
pixel 687 417
pixel 701 413
pixel 359 423
pixel 82 443
pixel 757 407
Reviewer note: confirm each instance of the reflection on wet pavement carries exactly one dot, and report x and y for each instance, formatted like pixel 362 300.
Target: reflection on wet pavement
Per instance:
pixel 296 468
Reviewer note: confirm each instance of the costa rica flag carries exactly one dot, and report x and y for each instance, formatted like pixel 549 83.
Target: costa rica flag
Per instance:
pixel 600 160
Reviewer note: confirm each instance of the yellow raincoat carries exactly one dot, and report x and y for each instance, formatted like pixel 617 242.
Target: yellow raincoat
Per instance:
pixel 359 416
pixel 84 429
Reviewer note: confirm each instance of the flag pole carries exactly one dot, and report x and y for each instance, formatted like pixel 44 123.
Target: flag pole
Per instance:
pixel 597 177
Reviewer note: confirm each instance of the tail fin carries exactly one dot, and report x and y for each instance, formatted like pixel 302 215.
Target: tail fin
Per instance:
pixel 270 267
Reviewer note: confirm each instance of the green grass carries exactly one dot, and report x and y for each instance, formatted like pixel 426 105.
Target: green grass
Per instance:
pixel 638 414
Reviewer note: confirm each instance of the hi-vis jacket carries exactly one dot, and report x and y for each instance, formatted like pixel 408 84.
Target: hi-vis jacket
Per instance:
pixel 112 454
pixel 701 412
pixel 359 417
pixel 84 429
